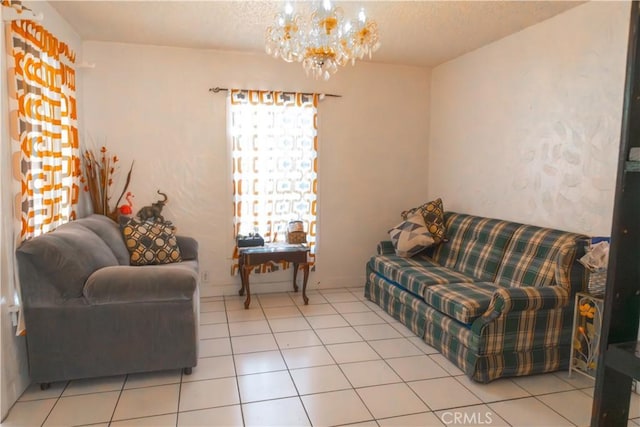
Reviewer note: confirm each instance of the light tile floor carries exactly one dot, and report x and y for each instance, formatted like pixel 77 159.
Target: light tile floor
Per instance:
pixel 338 361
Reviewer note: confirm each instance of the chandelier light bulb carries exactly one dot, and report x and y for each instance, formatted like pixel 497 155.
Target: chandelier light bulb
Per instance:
pixel 321 41
pixel 288 9
pixel 361 16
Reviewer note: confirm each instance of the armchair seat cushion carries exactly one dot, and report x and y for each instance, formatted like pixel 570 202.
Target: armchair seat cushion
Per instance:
pixel 152 283
pixel 464 302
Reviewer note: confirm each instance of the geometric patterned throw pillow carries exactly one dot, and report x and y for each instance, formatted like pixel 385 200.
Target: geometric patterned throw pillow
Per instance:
pixel 433 214
pixel 411 236
pixel 150 243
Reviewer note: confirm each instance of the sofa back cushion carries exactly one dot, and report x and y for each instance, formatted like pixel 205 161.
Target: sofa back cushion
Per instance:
pixel 483 247
pixel 539 256
pixel 446 254
pixel 109 232
pixel 67 257
pixel 476 244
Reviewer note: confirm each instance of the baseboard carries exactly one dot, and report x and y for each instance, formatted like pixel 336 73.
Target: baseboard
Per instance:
pixel 210 290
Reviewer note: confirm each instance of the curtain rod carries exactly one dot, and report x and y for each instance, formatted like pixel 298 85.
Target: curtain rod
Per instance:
pixel 10 13
pixel 220 89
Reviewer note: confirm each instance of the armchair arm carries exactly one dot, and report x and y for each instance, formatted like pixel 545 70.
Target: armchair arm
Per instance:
pixel 129 284
pixel 385 247
pixel 188 248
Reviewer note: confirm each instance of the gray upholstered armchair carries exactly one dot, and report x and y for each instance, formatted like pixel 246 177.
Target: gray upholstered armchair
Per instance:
pixel 88 313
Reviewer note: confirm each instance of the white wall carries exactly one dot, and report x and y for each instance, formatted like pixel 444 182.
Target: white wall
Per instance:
pixel 152 105
pixel 528 128
pixel 13 359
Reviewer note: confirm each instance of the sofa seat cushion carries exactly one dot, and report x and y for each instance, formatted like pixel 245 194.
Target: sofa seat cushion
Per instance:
pixel 464 302
pixel 387 264
pixel 415 274
pixel 152 283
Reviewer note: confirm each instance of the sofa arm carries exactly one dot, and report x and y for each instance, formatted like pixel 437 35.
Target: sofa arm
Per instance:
pixel 385 247
pixel 127 284
pixel 506 300
pixel 188 247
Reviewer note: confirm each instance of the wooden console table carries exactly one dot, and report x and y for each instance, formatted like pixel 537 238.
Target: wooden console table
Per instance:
pixel 251 257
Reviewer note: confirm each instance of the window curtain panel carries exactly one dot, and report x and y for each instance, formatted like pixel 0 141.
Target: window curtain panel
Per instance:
pixel 44 153
pixel 274 148
pixel 43 127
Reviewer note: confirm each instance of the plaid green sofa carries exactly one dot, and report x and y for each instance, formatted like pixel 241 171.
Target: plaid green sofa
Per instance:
pixel 496 299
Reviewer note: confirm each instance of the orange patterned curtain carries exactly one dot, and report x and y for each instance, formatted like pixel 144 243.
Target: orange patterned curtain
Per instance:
pixel 274 152
pixel 43 121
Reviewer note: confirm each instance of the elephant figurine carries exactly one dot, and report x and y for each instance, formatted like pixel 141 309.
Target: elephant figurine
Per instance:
pixel 154 211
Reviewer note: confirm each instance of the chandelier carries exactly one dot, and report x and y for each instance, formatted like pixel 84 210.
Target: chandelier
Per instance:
pixel 322 41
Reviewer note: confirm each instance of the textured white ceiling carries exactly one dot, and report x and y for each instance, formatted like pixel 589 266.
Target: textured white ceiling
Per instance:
pixel 422 33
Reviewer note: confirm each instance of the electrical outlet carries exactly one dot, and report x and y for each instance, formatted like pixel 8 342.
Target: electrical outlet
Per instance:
pixel 205 276
pixel 13 310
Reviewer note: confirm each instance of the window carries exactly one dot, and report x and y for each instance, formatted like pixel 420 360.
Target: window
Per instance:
pixel 274 152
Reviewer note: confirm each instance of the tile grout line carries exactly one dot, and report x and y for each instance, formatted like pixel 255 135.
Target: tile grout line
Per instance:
pixel 322 344
pixel 55 404
pixel 180 395
pixel 340 367
pixel 304 408
pixel 390 367
pixel 562 416
pixel 449 375
pixel 118 399
pixel 233 360
pixel 407 383
pixel 325 347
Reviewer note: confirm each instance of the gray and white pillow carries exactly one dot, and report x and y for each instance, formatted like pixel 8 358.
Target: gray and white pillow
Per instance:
pixel 411 236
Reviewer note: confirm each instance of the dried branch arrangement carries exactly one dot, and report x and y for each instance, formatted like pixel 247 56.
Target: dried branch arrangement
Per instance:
pixel 98 179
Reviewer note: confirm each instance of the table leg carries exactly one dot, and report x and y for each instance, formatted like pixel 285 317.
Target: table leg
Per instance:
pixel 246 269
pixel 241 269
pixel 304 283
pixel 295 276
